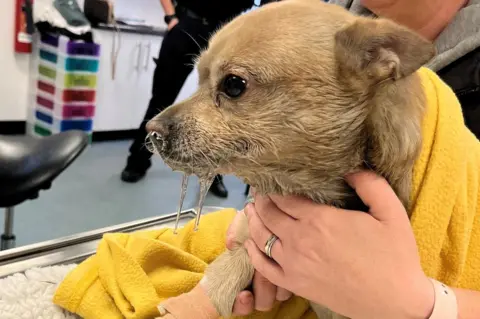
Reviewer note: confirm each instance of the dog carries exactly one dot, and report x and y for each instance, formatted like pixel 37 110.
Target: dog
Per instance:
pixel 292 97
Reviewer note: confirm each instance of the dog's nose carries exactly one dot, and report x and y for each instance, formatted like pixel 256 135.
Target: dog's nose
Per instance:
pixel 158 126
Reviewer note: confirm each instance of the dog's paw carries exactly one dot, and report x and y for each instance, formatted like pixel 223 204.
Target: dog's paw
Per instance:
pixel 226 277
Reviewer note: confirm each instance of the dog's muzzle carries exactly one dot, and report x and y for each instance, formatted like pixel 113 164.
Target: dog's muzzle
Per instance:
pixel 154 142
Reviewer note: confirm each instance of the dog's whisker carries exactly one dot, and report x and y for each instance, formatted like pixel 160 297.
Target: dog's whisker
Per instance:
pixel 193 39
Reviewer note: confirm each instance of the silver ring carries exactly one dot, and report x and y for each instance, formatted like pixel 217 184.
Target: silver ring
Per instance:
pixel 269 245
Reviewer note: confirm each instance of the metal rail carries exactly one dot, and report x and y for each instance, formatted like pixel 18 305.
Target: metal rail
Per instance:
pixel 78 247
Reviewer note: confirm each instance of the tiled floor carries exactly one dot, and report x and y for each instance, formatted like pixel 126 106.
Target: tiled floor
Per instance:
pixel 90 195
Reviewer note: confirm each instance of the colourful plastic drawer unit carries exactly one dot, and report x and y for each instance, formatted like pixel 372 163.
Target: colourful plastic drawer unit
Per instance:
pixel 66 80
pixel 65 93
pixel 73 80
pixel 70 63
pixel 66 111
pixel 64 45
pixel 76 64
pixel 61 125
pixel 79 96
pixel 45 87
pixel 39 130
pixel 45 102
pixel 47 72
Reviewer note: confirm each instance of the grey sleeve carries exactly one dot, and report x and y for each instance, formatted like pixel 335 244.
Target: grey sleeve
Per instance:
pixel 460 37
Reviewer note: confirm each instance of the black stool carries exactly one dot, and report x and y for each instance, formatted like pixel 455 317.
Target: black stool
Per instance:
pixel 29 165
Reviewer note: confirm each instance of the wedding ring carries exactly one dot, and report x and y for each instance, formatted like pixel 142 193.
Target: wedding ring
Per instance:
pixel 269 245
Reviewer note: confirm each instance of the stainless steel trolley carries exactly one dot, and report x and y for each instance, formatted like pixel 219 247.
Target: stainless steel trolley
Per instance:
pixel 76 248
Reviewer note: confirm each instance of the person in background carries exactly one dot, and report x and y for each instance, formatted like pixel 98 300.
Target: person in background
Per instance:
pixel 190 24
pixel 454 27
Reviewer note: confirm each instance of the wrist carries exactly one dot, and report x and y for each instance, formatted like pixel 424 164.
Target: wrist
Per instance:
pixel 421 300
pixel 169 18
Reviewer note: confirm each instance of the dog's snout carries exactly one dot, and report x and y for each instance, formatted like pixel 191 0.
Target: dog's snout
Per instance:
pixel 159 127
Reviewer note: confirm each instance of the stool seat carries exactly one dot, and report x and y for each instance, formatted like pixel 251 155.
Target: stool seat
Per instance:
pixel 29 164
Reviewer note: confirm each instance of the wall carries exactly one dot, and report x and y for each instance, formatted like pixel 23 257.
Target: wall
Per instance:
pixel 14 81
pixel 149 10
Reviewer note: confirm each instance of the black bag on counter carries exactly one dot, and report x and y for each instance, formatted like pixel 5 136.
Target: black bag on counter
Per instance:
pixel 99 11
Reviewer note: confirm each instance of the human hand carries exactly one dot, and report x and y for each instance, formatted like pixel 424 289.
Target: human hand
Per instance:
pixel 172 23
pixel 264 292
pixel 357 264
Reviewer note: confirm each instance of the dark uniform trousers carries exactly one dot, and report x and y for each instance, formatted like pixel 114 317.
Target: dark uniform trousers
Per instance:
pixel 175 62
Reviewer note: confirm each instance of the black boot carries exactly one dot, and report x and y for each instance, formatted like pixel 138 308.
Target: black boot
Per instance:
pixel 132 173
pixel 218 188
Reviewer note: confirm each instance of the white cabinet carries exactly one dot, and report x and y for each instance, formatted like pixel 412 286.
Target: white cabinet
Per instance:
pixel 123 100
pixel 149 48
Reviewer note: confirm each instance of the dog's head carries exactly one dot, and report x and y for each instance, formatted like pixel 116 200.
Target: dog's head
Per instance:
pixel 293 96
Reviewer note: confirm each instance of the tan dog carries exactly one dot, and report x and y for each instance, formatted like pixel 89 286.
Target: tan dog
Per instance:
pixel 291 98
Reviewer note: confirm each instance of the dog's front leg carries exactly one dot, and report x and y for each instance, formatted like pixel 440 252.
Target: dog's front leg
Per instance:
pixel 230 273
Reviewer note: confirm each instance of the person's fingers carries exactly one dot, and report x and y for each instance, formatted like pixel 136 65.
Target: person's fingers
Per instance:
pixel 261 234
pixel 376 193
pixel 264 292
pixel 244 304
pixel 276 220
pixel 231 240
pixel 264 265
pixel 294 206
pixel 283 294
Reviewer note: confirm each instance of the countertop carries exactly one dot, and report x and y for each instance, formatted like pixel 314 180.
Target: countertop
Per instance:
pixel 140 29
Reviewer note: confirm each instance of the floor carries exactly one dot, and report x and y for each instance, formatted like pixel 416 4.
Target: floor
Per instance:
pixel 90 195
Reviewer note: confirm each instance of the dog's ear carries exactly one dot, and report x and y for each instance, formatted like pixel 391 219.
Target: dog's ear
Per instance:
pixel 375 50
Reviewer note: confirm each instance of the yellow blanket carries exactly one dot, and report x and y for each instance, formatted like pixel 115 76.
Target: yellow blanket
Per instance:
pixel 132 273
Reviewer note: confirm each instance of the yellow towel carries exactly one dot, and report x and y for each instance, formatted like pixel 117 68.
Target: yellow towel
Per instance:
pixel 446 211
pixel 132 273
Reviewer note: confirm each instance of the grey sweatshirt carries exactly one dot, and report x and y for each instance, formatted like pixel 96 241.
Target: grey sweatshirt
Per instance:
pixel 460 37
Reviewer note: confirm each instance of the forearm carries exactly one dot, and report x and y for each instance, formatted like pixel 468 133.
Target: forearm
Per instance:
pixel 468 302
pixel 427 17
pixel 168 7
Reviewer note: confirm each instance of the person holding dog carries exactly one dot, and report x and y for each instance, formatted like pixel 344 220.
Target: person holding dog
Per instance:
pixel 439 21
pixel 378 247
pixel 190 25
pixel 454 27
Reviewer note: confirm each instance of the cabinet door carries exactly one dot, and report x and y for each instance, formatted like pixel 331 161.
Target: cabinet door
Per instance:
pixel 115 96
pixel 150 48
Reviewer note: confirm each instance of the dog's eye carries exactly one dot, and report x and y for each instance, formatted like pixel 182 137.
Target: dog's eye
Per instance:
pixel 233 86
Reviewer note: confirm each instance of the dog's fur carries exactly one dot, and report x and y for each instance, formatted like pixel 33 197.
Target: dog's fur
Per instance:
pixel 328 93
